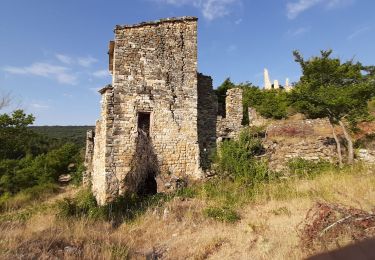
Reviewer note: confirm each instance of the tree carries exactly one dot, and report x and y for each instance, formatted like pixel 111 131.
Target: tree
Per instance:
pixel 14 134
pixel 270 104
pixel 330 88
pixel 221 93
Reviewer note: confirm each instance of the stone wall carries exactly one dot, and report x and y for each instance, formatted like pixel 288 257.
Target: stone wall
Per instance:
pixel 307 139
pixel 154 76
pixel 255 119
pixel 228 127
pixel 89 154
pixel 207 111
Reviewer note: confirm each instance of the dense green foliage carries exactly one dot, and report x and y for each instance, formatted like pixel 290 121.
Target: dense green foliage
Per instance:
pixel 270 104
pixel 221 91
pixel 74 134
pixel 330 88
pixel 335 90
pixel 14 135
pixel 16 175
pixel 32 162
pixel 236 159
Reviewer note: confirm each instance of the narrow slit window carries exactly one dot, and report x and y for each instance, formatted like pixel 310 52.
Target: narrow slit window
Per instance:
pixel 144 122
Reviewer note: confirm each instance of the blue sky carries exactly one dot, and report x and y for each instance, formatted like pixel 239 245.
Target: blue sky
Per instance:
pixel 53 53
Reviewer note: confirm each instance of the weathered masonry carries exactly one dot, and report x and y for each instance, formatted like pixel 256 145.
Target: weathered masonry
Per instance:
pixel 158 118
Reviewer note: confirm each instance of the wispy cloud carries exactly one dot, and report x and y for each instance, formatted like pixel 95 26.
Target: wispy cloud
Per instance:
pixel 38 106
pixel 211 9
pixel 101 73
pixel 297 7
pixel 87 61
pixel 299 31
pixel 64 58
pixel 358 32
pixel 60 73
pixel 82 61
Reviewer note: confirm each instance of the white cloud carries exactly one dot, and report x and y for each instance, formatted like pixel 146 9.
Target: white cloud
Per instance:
pixel 87 61
pixel 359 32
pixel 211 9
pixel 82 61
pixel 67 95
pixel 297 7
pixel 298 31
pixel 39 106
pixel 101 73
pixel 47 70
pixel 64 58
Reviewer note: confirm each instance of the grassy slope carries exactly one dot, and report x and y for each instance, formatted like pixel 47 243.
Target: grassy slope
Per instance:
pixel 179 229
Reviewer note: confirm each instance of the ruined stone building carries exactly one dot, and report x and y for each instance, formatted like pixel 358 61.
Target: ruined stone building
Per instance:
pixel 159 116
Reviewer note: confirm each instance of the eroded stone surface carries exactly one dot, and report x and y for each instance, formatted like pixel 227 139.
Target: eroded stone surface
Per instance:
pixel 155 79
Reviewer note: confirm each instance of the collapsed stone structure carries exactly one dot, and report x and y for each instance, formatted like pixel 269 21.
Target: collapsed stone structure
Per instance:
pixel 159 116
pixel 309 139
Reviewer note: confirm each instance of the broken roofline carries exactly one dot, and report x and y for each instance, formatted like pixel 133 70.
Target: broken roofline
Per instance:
pixel 156 22
pixel 106 87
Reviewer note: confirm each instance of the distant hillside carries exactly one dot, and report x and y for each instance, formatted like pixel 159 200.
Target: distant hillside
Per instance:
pixel 76 134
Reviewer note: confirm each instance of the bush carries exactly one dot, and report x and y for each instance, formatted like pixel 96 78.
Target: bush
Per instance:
pixel 269 104
pixel 42 191
pixel 305 168
pixel 17 175
pixel 83 205
pixel 223 214
pixel 236 159
pixel 126 207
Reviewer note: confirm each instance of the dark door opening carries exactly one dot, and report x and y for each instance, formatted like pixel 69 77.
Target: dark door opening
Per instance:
pixel 149 186
pixel 144 122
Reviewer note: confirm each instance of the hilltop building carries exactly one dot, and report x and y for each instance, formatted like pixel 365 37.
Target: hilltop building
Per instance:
pixel 158 119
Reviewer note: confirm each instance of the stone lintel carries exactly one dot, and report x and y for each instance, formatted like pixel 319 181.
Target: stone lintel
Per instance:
pixel 157 22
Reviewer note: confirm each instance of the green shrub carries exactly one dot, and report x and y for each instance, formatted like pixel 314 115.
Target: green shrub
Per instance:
pixel 82 205
pixel 223 214
pixel 306 168
pixel 270 103
pixel 126 207
pixel 236 159
pixel 26 196
pixel 17 175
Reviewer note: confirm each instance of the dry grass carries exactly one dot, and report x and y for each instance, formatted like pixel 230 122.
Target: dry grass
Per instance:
pixel 179 230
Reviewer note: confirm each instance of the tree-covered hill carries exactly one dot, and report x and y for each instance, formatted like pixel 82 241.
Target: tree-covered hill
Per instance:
pixel 75 134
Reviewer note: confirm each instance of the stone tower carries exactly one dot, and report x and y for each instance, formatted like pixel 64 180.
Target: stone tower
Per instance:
pixel 276 84
pixel 267 81
pixel 149 133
